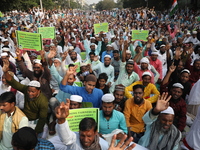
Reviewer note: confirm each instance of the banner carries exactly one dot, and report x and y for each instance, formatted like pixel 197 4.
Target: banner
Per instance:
pixel 140 35
pixel 100 27
pixel 76 115
pixel 29 41
pixel 47 32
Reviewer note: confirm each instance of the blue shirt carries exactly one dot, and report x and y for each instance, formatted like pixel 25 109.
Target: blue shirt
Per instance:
pixel 104 54
pixel 117 121
pixel 44 145
pixel 94 97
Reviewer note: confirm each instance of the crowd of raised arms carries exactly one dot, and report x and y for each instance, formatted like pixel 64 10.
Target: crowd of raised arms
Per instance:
pixel 147 91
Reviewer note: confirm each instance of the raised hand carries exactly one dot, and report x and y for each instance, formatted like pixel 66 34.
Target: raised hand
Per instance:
pixel 72 70
pixel 62 111
pixel 178 52
pixel 51 54
pixel 64 55
pixel 5 65
pixel 122 145
pixel 172 68
pixel 162 103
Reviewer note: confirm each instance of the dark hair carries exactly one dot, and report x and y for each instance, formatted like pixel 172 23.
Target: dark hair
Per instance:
pixel 7 97
pixel 91 53
pixel 87 124
pixel 103 76
pixel 91 77
pixel 71 65
pixel 25 138
pixel 138 86
pixel 115 51
pixel 195 61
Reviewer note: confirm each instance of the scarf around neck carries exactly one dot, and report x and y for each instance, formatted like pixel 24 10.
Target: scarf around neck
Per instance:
pixel 95 145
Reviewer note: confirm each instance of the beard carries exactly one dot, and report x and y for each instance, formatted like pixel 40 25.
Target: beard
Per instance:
pixel 138 101
pixel 73 58
pixel 4 86
pixel 106 65
pixel 37 75
pixel 59 70
pixel 160 128
pixel 108 115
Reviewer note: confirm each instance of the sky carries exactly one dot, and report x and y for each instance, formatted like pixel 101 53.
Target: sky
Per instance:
pixel 92 1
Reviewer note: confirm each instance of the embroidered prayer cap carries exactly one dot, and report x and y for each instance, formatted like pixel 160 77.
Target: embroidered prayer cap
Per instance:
pixel 107 56
pixel 83 64
pixel 163 45
pixel 144 60
pixel 37 61
pixel 108 98
pixel 128 51
pixel 154 53
pixel 5 40
pixel 194 32
pixel 34 84
pixel 185 70
pixel 4 54
pixel 76 98
pixel 178 85
pixel 92 38
pixel 57 59
pixel 130 61
pixel 71 47
pixel 5 49
pixel 146 73
pixel 119 87
pixel 109 45
pixel 169 110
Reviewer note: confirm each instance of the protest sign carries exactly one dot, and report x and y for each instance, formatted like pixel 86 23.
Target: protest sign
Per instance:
pixel 140 35
pixel 100 27
pixel 47 32
pixel 29 41
pixel 76 115
pixel 78 68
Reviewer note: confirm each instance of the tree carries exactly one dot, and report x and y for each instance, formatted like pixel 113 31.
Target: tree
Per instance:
pixel 105 5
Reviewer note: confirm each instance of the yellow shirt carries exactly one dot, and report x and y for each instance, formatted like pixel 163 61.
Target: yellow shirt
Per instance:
pixel 134 113
pixel 148 90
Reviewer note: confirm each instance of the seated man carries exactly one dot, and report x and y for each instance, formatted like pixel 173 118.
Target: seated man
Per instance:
pixel 26 139
pixel 160 132
pixel 111 119
pixel 134 110
pixel 89 93
pixel 11 119
pixel 36 103
pixel 119 98
pixel 148 90
pixel 86 138
pixel 75 101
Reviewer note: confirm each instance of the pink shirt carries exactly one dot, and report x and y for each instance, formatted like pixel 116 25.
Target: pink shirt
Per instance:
pixel 140 72
pixel 157 65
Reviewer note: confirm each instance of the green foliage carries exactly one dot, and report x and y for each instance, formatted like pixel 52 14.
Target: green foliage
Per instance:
pixel 105 5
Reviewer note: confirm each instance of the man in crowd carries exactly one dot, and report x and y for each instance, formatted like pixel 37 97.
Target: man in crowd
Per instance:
pixel 36 103
pixel 160 132
pixel 11 118
pixel 86 138
pixel 134 110
pixel 111 119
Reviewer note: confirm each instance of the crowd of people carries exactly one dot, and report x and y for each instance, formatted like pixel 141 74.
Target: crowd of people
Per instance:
pixel 147 91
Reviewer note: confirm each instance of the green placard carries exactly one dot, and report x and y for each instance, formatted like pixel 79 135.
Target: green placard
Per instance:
pixel 83 55
pixel 29 41
pixel 100 27
pixel 78 64
pixel 198 19
pixel 76 115
pixel 140 35
pixel 1 14
pixel 47 32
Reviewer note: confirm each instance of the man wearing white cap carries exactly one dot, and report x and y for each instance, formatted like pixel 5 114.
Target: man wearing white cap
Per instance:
pixel 36 103
pixel 148 90
pixel 40 73
pixel 193 39
pixel 111 119
pixel 160 132
pixel 154 61
pixel 179 106
pixel 75 101
pixel 5 56
pixel 107 52
pixel 105 67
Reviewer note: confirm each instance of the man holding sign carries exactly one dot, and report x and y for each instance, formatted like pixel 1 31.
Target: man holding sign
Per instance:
pixel 87 138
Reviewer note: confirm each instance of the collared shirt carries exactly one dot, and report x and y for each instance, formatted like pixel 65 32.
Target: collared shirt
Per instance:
pixel 5 143
pixel 44 144
pixel 117 121
pixel 134 113
pixel 124 78
pixel 148 90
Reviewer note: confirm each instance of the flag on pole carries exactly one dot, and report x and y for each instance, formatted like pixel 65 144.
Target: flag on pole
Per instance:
pixel 174 7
